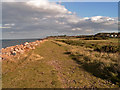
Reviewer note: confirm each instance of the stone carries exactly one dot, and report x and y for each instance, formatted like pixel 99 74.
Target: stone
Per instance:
pixel 13 53
pixel 20 49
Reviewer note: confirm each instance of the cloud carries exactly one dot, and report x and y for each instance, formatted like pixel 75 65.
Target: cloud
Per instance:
pixel 65 1
pixel 5 27
pixel 45 5
pixel 38 19
pixel 74 29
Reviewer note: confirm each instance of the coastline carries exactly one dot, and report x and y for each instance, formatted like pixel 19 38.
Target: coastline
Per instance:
pixel 9 52
pixel 12 42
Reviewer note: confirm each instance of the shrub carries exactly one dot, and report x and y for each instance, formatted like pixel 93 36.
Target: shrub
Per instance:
pixel 107 48
pixel 91 45
pixel 95 38
pixel 86 58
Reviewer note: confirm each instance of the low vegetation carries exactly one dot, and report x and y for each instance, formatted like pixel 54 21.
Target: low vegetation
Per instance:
pixel 96 38
pixel 109 71
pixel 109 47
pixel 98 68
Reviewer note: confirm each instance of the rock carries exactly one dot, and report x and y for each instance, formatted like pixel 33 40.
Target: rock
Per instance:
pixel 74 81
pixel 13 53
pixel 26 43
pixel 20 49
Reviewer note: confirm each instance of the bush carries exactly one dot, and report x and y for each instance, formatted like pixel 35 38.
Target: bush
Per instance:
pixel 107 48
pixel 95 38
pixel 91 46
pixel 86 58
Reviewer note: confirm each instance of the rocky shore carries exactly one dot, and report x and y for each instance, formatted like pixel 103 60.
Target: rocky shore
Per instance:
pixel 12 51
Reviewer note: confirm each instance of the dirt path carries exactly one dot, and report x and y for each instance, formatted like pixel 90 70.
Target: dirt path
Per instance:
pixel 58 68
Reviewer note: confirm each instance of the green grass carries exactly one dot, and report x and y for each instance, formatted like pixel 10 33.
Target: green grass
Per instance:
pixel 61 66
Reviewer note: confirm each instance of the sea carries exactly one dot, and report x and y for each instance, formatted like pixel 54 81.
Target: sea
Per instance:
pixel 12 42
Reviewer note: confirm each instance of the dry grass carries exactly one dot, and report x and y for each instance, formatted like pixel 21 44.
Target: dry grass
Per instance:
pixel 101 64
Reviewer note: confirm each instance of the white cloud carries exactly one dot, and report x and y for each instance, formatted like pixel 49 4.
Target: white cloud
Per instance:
pixel 65 1
pixel 78 29
pixel 8 0
pixel 5 27
pixel 12 24
pixel 88 30
pixel 45 5
pixel 40 19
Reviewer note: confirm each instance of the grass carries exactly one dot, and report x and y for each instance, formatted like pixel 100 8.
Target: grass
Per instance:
pixel 97 68
pixel 29 74
pixel 110 45
pixel 63 65
pixel 106 69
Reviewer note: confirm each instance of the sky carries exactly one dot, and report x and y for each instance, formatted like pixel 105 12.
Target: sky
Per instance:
pixel 22 20
pixel 65 0
pixel 89 9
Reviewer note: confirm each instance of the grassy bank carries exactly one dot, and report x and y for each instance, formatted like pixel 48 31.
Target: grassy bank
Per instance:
pixel 59 64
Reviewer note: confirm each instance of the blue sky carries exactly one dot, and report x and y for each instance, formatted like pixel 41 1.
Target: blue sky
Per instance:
pixel 89 9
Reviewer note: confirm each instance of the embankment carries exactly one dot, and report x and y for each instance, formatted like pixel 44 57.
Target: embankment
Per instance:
pixel 9 52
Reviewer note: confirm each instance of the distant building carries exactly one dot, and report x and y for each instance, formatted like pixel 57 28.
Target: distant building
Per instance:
pixel 112 35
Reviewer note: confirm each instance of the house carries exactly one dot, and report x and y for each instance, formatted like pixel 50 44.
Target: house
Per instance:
pixel 112 35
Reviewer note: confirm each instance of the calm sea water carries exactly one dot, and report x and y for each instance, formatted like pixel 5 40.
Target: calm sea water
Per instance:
pixel 12 42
